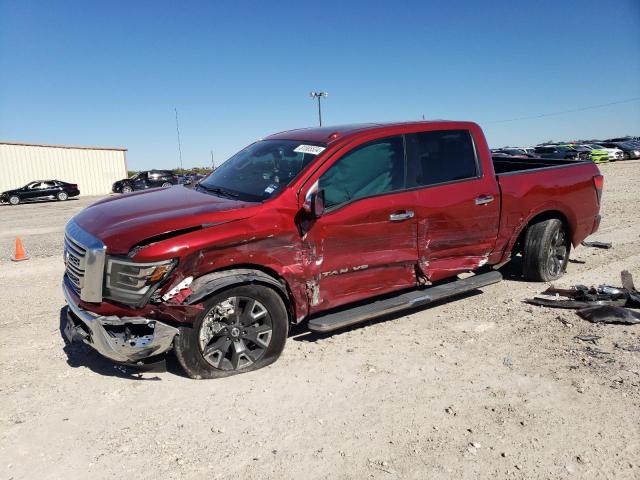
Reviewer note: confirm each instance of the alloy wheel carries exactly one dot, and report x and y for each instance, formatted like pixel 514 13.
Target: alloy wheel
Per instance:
pixel 558 250
pixel 235 333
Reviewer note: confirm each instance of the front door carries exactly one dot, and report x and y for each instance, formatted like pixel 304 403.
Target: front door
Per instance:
pixel 457 205
pixel 365 242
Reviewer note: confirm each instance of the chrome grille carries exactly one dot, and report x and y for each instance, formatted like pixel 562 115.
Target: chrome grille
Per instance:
pixel 84 257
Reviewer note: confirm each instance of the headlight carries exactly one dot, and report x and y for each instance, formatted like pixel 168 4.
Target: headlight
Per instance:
pixel 132 283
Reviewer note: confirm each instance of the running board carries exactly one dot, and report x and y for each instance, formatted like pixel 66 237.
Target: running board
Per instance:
pixel 415 298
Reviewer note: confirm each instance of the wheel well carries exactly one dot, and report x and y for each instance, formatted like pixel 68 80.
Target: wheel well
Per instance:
pixel 540 217
pixel 262 276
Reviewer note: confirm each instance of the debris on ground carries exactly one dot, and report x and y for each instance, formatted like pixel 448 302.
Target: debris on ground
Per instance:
pixel 605 245
pixel 609 314
pixel 588 338
pixel 602 304
pixel 627 348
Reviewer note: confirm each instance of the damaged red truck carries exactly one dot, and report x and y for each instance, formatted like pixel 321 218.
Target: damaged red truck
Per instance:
pixel 331 226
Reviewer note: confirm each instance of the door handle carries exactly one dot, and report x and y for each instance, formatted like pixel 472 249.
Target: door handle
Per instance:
pixel 400 216
pixel 484 199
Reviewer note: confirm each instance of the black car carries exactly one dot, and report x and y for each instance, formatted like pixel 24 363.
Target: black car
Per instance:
pixel 629 149
pixel 568 152
pixel 144 180
pixel 40 190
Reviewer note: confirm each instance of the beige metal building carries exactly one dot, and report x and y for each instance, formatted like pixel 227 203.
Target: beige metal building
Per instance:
pixel 94 169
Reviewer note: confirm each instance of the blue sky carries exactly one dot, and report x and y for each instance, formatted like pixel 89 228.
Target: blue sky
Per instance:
pixel 111 73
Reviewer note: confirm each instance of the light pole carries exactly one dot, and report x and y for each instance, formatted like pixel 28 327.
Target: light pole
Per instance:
pixel 319 95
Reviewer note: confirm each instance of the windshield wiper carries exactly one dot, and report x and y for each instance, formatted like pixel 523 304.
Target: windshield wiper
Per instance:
pixel 220 191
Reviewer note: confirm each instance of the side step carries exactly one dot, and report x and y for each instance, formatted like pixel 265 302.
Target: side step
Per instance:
pixel 415 298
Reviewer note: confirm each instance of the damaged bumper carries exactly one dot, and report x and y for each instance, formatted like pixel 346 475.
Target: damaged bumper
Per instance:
pixel 122 339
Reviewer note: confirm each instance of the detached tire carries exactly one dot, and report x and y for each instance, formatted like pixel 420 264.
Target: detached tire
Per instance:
pixel 241 329
pixel 546 251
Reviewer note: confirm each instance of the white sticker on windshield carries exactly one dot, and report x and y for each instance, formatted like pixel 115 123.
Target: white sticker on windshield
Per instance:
pixel 312 149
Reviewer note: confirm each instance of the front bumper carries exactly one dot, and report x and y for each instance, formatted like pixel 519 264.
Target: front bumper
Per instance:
pixel 122 339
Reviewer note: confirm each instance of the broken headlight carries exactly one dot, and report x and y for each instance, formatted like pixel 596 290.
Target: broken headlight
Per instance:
pixel 132 283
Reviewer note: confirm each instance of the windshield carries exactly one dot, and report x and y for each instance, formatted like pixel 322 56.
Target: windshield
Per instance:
pixel 261 170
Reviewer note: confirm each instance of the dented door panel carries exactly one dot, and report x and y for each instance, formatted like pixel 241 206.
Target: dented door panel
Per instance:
pixel 360 252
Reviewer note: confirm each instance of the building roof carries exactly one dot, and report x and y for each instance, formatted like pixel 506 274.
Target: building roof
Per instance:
pixel 76 147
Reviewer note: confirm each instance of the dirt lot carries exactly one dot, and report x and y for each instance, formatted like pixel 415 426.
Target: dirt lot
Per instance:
pixel 482 387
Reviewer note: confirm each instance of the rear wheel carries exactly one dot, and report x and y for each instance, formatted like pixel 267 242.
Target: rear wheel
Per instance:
pixel 241 329
pixel 62 196
pixel 166 184
pixel 127 189
pixel 14 200
pixel 546 251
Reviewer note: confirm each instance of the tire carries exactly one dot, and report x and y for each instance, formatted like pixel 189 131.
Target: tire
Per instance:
pixel 14 200
pixel 546 251
pixel 62 196
pixel 626 156
pixel 167 184
pixel 127 189
pixel 219 343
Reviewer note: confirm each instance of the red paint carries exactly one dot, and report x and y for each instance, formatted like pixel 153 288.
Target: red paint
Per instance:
pixel 354 252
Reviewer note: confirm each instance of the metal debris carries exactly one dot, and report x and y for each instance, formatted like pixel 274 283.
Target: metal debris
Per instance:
pixel 605 245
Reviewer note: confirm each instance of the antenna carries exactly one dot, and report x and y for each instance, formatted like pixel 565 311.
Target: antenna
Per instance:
pixel 179 146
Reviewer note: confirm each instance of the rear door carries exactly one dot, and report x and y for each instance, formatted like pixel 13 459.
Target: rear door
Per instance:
pixel 457 204
pixel 365 243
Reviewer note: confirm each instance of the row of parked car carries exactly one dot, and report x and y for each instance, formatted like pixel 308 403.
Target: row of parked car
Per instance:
pixel 598 151
pixel 40 190
pixel 153 179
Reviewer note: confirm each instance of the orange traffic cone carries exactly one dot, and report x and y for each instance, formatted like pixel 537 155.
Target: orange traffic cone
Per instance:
pixel 20 253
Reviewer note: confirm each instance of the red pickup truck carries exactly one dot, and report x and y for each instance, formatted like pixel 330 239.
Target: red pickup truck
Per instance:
pixel 331 226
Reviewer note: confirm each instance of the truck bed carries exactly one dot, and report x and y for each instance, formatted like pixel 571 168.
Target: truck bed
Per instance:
pixel 529 186
pixel 505 166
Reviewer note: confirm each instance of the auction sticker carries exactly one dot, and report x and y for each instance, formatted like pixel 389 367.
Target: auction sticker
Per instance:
pixel 312 149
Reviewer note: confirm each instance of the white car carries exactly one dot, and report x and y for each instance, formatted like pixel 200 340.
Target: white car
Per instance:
pixel 614 153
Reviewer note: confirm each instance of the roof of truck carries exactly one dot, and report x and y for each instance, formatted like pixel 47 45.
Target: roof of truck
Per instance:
pixel 332 133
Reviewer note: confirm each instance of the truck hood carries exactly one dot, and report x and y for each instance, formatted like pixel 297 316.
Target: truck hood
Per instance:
pixel 123 222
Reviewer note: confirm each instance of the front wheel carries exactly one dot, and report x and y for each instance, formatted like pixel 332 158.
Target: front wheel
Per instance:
pixel 14 200
pixel 166 184
pixel 546 251
pixel 626 156
pixel 240 329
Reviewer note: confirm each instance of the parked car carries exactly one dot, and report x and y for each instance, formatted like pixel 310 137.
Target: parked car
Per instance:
pixel 40 190
pixel 614 153
pixel 145 180
pixel 597 155
pixel 566 152
pixel 514 152
pixel 329 226
pixel 190 179
pixel 629 149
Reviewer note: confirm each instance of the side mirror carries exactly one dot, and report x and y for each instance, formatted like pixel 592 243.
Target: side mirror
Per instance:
pixel 314 204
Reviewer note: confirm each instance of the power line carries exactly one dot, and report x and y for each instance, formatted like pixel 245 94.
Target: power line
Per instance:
pixel 590 107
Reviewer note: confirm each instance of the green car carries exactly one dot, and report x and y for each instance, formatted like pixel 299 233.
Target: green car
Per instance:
pixel 597 155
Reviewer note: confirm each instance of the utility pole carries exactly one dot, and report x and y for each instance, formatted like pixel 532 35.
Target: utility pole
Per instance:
pixel 319 95
pixel 179 145
pixel 213 165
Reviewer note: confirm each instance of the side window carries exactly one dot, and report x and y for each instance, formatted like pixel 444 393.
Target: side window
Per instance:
pixel 440 156
pixel 371 169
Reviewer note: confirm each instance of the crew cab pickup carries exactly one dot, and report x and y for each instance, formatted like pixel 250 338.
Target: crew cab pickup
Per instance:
pixel 329 226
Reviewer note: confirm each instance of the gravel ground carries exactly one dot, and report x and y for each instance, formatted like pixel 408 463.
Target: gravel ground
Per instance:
pixel 482 387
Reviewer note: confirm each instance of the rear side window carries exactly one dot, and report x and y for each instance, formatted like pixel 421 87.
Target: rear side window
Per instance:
pixel 439 157
pixel 371 169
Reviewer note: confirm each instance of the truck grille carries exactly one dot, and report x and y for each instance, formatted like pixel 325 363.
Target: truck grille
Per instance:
pixel 84 257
